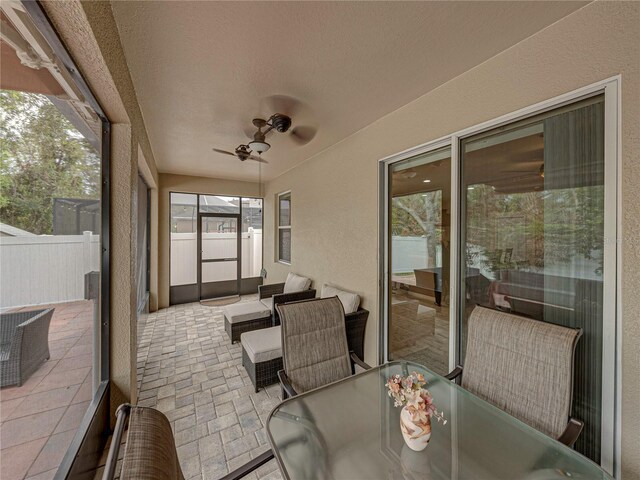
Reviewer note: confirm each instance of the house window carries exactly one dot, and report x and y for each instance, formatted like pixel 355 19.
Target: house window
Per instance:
pixel 284 228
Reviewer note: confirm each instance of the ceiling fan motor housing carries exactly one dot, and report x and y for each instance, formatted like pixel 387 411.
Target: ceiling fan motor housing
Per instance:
pixel 280 122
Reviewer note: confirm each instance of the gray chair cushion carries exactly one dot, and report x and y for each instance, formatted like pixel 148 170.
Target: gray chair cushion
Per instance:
pixel 314 343
pixel 262 345
pixel 522 366
pixel 243 312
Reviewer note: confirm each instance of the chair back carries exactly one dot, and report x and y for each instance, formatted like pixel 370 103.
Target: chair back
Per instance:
pixel 522 366
pixel 150 451
pixel 314 343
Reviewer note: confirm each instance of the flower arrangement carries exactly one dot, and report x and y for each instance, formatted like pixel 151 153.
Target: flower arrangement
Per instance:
pixel 409 392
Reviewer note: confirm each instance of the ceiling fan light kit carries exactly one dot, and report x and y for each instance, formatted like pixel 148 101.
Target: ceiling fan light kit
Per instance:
pixel 259 147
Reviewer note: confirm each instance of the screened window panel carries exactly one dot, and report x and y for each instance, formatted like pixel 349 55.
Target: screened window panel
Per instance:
pixel 284 243
pixel 219 204
pixel 285 210
pixel 184 228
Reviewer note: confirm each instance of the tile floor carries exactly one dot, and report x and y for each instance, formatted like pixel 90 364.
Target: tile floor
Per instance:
pixel 420 336
pixel 188 369
pixel 38 419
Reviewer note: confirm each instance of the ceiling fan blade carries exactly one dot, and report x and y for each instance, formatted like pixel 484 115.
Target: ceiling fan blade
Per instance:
pixel 225 152
pixel 283 104
pixel 303 135
pixel 257 159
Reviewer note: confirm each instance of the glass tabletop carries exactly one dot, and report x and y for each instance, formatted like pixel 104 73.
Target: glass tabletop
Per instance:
pixel 351 430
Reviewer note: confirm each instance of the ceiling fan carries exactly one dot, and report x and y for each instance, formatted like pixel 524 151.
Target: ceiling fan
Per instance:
pixel 279 122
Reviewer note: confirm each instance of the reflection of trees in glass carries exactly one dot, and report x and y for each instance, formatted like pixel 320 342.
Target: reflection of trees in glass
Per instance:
pixel 42 156
pixel 419 215
pixel 556 226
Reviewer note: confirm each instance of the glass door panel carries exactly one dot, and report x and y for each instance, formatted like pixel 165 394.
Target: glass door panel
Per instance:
pixel 418 310
pixel 219 263
pixel 533 235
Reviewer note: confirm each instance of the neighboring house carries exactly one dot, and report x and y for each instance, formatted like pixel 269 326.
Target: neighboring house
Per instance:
pixel 11 231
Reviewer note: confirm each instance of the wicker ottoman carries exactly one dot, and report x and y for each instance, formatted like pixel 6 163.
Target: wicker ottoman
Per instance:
pixel 245 317
pixel 262 356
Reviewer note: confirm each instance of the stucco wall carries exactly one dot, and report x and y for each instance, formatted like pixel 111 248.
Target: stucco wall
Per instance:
pixel 334 194
pixel 187 184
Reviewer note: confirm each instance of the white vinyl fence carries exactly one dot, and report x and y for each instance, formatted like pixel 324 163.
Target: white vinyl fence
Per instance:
pixel 46 269
pixel 409 253
pixel 184 269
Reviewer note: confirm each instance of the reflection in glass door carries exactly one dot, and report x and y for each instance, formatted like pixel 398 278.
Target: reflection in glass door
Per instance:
pixel 219 263
pixel 419 250
pixel 533 236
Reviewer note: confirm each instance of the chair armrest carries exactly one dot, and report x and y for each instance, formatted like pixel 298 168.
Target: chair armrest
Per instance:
pixel 250 466
pixel 285 383
pixel 267 291
pixel 293 296
pixel 122 413
pixel 571 433
pixel 455 373
pixel 355 360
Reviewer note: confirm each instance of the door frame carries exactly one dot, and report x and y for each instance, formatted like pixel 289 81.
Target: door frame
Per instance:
pixel 237 259
pixel 612 307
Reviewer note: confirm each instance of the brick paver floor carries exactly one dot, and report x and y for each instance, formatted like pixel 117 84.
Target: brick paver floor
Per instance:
pixel 39 419
pixel 188 369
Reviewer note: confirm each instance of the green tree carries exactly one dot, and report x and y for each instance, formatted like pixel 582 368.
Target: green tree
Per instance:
pixel 42 156
pixel 419 215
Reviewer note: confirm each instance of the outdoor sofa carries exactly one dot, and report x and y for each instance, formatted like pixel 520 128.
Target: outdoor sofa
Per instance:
pixel 245 317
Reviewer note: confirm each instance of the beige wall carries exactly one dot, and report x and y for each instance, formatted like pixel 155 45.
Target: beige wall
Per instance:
pixel 187 184
pixel 334 194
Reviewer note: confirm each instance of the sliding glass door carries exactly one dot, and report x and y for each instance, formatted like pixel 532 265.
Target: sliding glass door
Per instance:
pixel 420 194
pixel 520 218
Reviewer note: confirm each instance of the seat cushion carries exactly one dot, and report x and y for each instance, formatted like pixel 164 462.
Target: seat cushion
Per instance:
pixel 296 283
pixel 268 302
pixel 262 345
pixel 243 312
pixel 350 301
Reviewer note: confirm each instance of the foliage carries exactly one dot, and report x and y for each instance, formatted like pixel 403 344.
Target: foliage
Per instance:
pixel 42 157
pixel 541 227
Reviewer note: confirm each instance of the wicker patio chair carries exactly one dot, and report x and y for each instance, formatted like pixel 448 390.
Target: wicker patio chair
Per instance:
pixel 524 367
pixel 24 344
pixel 275 295
pixel 314 345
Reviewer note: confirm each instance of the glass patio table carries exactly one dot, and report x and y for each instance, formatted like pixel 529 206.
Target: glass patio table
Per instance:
pixel 351 430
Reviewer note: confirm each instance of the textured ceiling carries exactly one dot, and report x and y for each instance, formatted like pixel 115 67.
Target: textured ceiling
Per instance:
pixel 201 69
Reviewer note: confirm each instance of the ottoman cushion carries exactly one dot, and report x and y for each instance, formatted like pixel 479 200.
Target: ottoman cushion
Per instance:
pixel 244 312
pixel 262 345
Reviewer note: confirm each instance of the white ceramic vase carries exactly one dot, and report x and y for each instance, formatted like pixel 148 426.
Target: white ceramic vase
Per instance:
pixel 416 435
